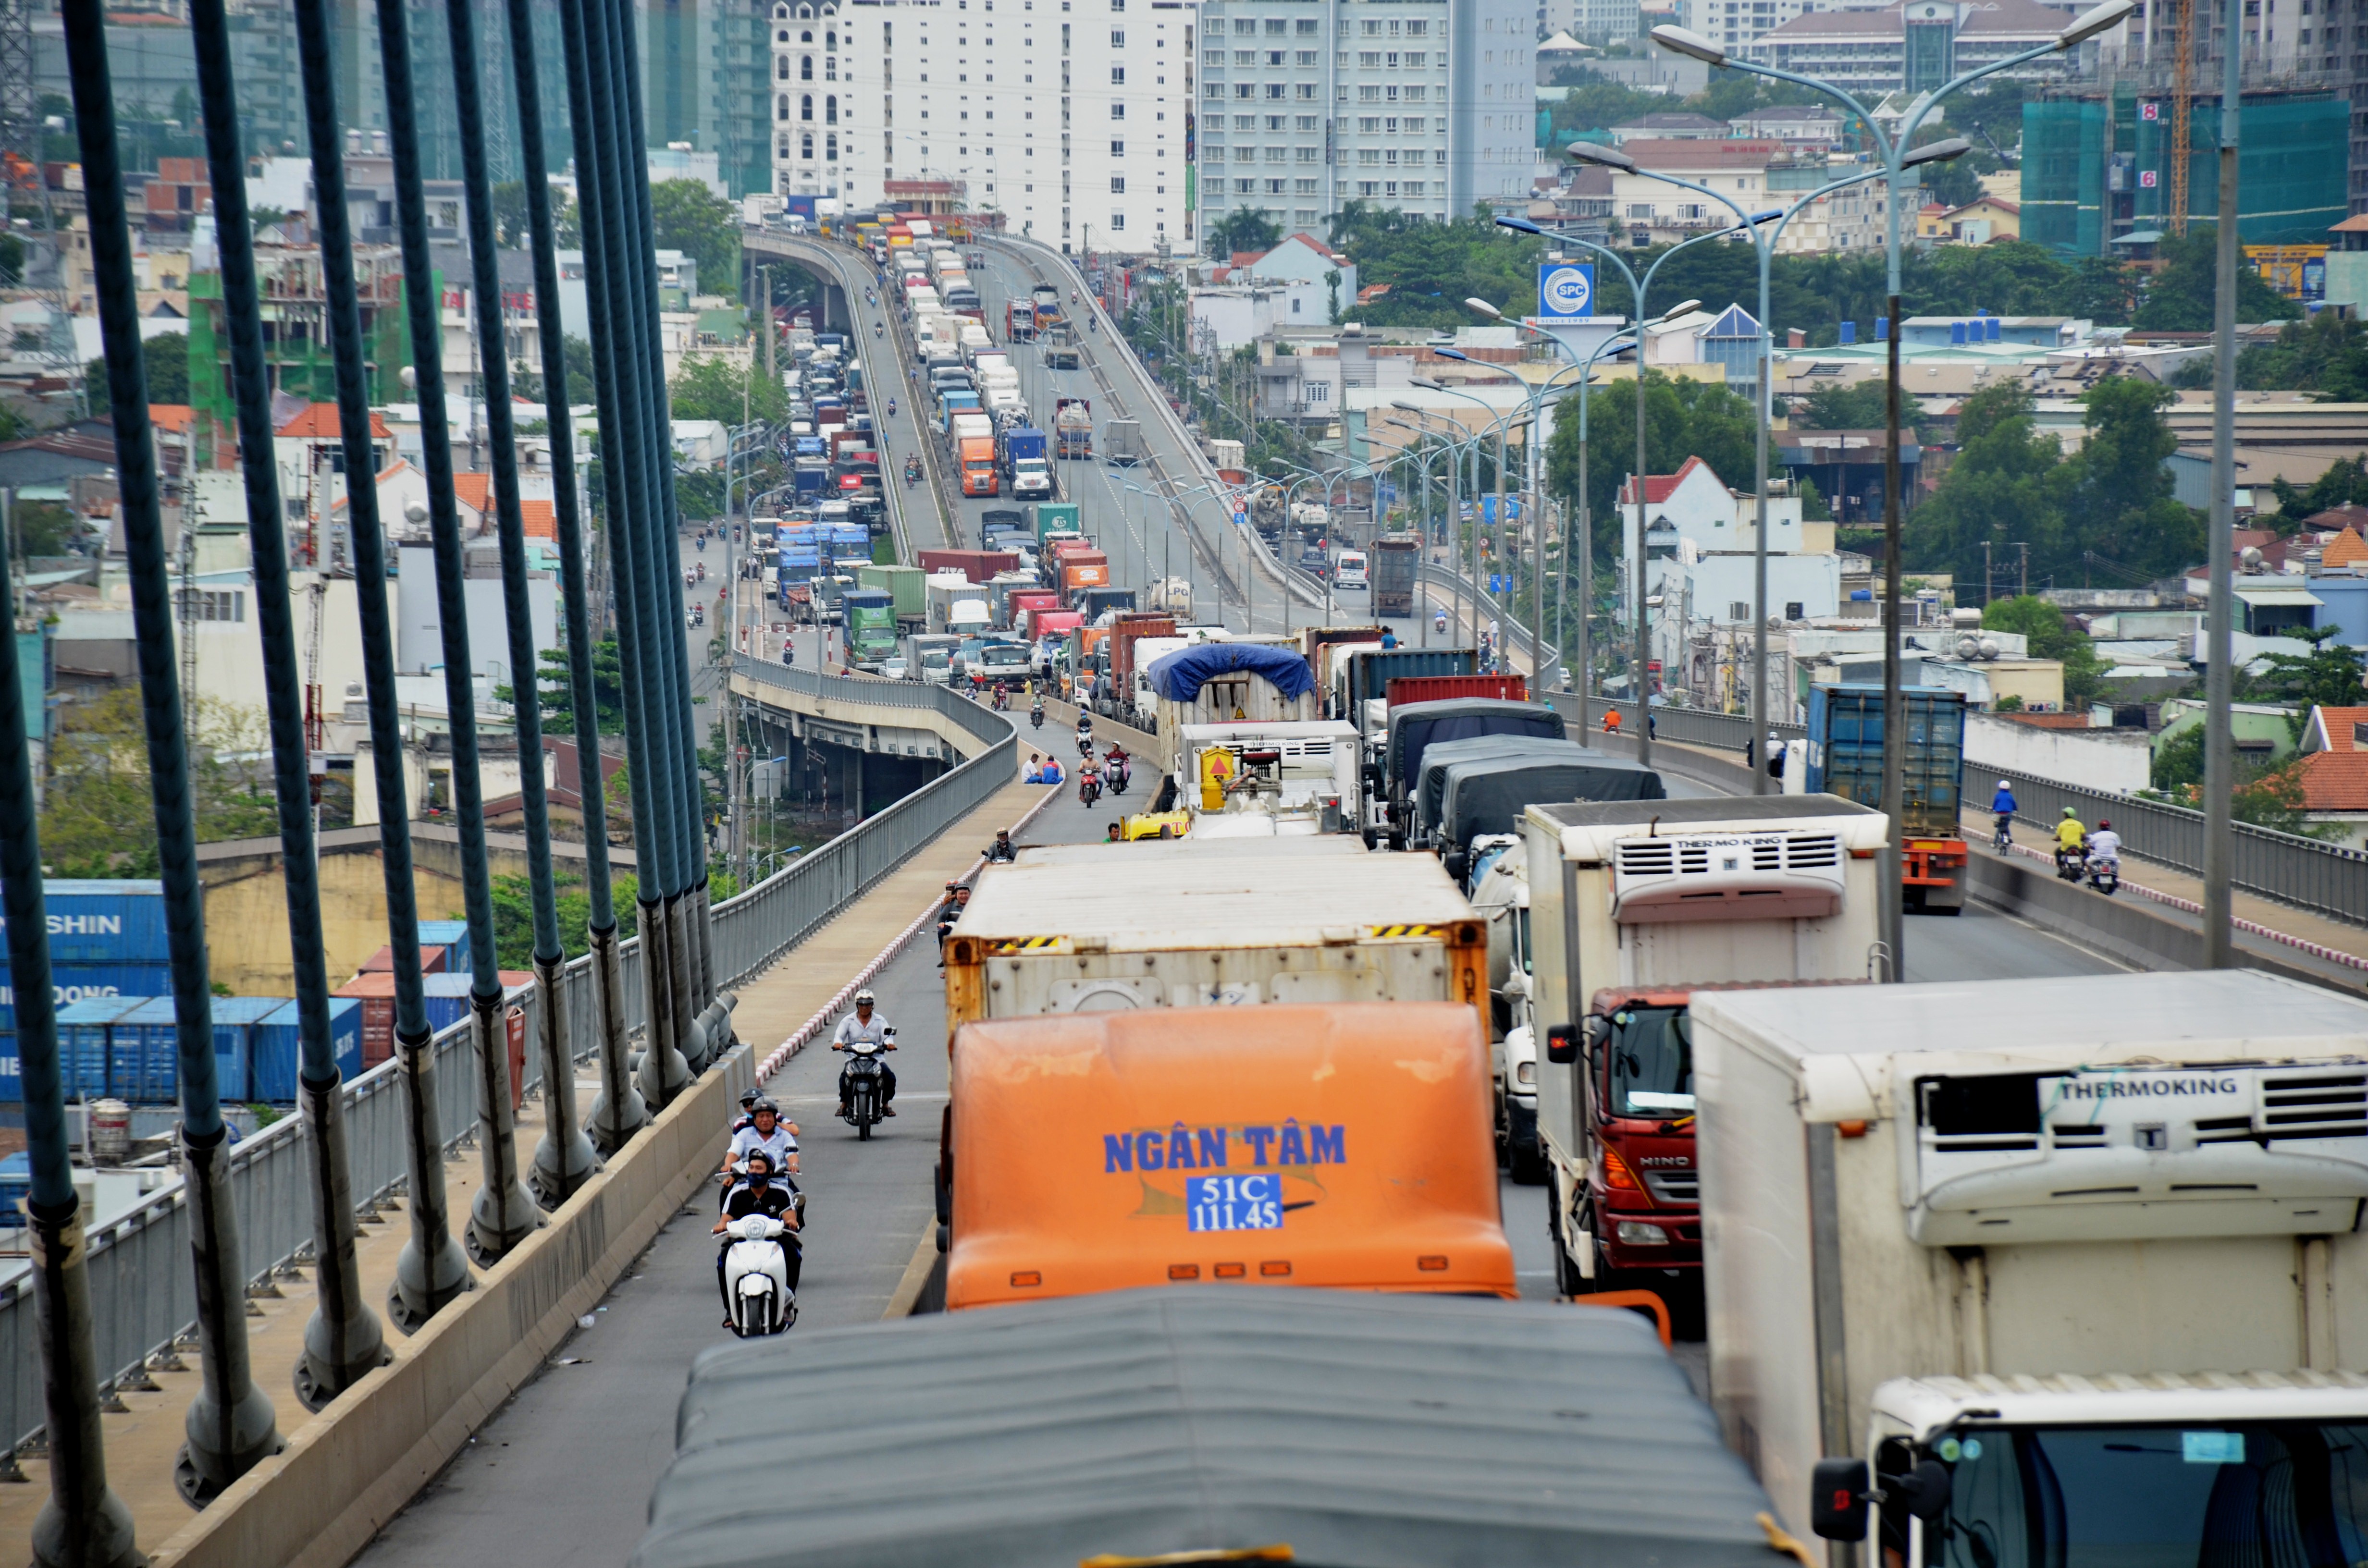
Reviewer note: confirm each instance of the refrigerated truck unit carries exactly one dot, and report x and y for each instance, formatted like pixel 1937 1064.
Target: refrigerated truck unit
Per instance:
pixel 2090 1246
pixel 1846 759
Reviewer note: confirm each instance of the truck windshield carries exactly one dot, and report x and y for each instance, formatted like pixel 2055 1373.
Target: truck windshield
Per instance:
pixel 1652 1063
pixel 1004 658
pixel 2252 1493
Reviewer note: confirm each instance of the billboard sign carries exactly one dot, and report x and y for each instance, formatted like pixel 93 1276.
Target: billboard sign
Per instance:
pixel 1566 288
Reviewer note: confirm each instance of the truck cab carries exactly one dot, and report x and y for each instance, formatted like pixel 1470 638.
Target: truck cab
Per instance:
pixel 1641 1198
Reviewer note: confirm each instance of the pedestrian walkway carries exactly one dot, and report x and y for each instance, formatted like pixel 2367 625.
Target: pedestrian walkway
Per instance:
pixel 144 1436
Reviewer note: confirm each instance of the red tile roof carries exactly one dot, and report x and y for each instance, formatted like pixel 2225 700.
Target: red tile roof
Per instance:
pixel 318 421
pixel 542 519
pixel 1658 487
pixel 2346 549
pixel 2334 772
pixel 175 416
pixel 473 490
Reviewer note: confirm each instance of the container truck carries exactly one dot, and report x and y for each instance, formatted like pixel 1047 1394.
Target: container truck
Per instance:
pixel 1123 442
pixel 1094 927
pixel 1073 426
pixel 1352 1138
pixel 870 626
pixel 1024 460
pixel 1222 683
pixel 1060 345
pixel 1846 759
pixel 1412 728
pixel 978 565
pixel 975 457
pixel 1095 602
pixel 2073 1265
pixel 1048 518
pixel 1394 566
pixel 1637 906
pixel 1264 780
pixel 1081 570
pixel 948 593
pixel 907 586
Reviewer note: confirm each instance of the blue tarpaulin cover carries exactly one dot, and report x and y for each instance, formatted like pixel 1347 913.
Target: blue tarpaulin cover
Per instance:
pixel 1179 677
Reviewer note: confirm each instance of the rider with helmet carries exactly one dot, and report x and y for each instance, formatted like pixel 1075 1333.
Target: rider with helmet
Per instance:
pixel 2105 846
pixel 765 1133
pixel 866 1027
pixel 758 1193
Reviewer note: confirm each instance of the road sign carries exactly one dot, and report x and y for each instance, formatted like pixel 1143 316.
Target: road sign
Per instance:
pixel 1241 519
pixel 1500 582
pixel 1566 288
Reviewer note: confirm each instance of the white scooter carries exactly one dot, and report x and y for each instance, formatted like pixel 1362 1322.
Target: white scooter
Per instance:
pixel 757 1276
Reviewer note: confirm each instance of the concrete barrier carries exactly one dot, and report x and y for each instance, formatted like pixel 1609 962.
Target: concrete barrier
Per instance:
pixel 347 1472
pixel 2122 927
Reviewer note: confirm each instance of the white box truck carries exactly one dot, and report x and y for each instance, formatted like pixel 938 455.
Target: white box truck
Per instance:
pixel 1635 906
pixel 2074 1265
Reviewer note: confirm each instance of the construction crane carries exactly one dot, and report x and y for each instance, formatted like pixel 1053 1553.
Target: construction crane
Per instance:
pixel 2182 109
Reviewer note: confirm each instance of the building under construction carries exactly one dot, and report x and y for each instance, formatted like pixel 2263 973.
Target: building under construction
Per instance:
pixel 2106 173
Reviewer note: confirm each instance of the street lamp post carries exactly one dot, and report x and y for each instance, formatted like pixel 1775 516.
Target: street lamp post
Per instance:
pixel 1895 154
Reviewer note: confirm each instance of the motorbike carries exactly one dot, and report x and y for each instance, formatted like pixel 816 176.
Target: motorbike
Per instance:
pixel 2002 834
pixel 865 1094
pixel 757 1276
pixel 1085 744
pixel 880 329
pixel 1117 775
pixel 892 408
pixel 1002 699
pixel 2069 864
pixel 1036 716
pixel 2104 875
pixel 1089 788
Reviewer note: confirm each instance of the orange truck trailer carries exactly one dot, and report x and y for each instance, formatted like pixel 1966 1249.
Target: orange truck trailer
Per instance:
pixel 1347 1145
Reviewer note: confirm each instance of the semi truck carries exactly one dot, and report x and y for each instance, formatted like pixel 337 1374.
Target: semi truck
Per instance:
pixel 870 626
pixel 1123 442
pixel 1393 565
pixel 1180 923
pixel 907 586
pixel 979 474
pixel 2047 1270
pixel 1846 759
pixel 1635 906
pixel 1024 461
pixel 1343 1147
pixel 1073 426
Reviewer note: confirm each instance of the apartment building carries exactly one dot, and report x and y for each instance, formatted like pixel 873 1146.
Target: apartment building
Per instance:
pixel 1736 23
pixel 1914 47
pixel 1421 105
pixel 1072 118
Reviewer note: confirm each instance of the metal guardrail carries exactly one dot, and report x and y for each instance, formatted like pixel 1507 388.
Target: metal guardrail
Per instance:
pixel 2286 867
pixel 2291 870
pixel 143 1292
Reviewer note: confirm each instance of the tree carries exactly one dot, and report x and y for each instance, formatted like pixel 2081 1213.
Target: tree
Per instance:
pixel 557 687
pixel 2184 292
pixel 711 388
pixel 1429 269
pixel 1682 419
pixel 165 362
pixel 43 527
pixel 1851 405
pixel 2329 676
pixel 512 230
pixel 703 226
pixel 2001 489
pixel 97 818
pixel 1950 185
pixel 2119 504
pixel 2051 636
pixel 1243 229
pixel 2327 355
pixel 2345 483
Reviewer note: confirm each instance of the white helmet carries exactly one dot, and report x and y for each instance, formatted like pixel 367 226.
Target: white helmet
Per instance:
pixel 864 998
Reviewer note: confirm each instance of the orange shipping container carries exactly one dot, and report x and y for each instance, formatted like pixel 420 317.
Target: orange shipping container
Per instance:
pixel 1347 1145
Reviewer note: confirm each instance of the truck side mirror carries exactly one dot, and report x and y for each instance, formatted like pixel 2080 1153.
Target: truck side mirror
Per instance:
pixel 1562 1045
pixel 1838 1499
pixel 1923 1492
pixel 1599 1032
pixel 1457 863
pixel 1372 772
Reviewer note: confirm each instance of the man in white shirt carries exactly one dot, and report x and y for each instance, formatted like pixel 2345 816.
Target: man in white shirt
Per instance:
pixel 866 1026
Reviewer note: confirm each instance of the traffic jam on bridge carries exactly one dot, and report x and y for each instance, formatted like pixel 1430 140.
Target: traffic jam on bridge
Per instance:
pixel 1262 1049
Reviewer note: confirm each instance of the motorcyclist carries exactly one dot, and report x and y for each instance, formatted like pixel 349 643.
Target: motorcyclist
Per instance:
pixel 957 900
pixel 2002 811
pixel 2070 836
pixel 1439 623
pixel 1090 782
pixel 1036 712
pixel 892 407
pixel 1118 764
pixel 758 1193
pixel 864 1025
pixel 766 1131
pixel 1002 848
pixel 2105 846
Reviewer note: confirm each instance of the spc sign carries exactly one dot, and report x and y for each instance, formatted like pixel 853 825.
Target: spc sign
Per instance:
pixel 1566 288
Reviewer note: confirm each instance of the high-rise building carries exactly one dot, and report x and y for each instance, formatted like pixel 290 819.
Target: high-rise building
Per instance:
pixel 1072 118
pixel 1423 107
pixel 704 65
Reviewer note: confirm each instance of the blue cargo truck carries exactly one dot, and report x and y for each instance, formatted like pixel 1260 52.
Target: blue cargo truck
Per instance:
pixel 1846 759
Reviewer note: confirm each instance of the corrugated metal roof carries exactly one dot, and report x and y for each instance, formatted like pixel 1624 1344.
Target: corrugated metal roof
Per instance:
pixel 1364 1431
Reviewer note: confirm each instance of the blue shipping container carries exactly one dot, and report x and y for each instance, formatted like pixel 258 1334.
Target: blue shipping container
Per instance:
pixel 447 1000
pixel 106 922
pixel 278 1049
pixel 453 937
pixel 84 1028
pixel 144 1053
pixel 1846 751
pixel 72 983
